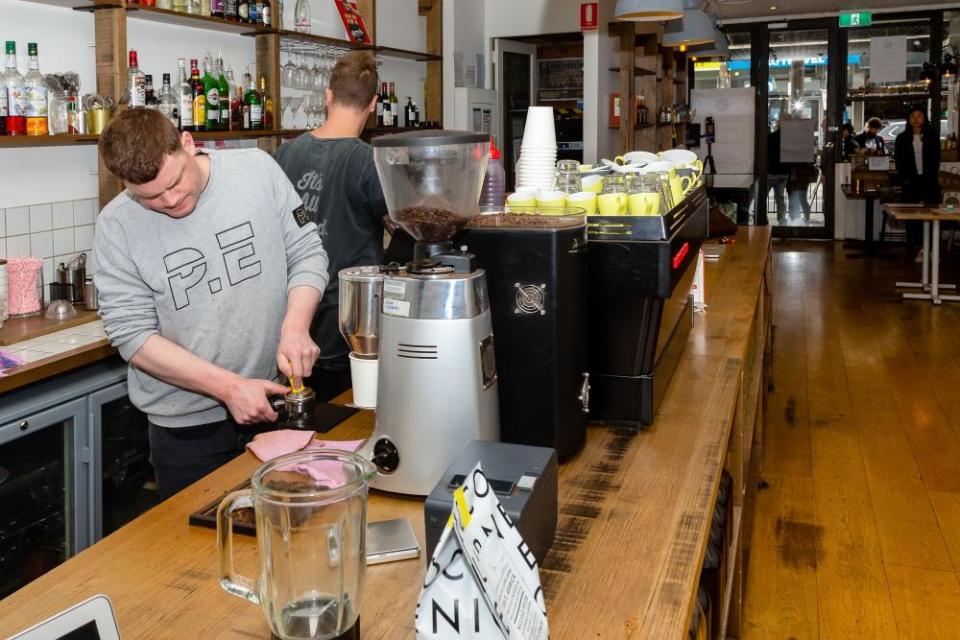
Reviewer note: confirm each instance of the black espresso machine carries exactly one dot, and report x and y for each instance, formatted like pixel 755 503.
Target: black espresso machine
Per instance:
pixel 536 267
pixel 640 308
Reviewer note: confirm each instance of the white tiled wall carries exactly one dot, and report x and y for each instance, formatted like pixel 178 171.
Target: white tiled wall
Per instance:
pixel 56 232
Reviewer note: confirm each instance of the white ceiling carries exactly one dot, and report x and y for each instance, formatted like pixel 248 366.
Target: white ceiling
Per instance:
pixel 809 8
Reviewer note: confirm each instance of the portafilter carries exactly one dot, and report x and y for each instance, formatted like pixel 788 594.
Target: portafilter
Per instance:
pixel 361 294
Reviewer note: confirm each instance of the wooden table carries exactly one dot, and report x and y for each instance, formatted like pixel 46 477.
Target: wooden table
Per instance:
pixel 634 510
pixel 931 217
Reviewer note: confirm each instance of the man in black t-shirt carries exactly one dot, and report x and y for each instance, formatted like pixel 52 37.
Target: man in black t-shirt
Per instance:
pixel 334 173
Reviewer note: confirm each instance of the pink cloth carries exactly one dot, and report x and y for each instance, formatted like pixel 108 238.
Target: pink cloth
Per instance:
pixel 269 445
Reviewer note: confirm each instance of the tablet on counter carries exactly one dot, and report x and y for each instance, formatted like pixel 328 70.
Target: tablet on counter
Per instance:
pixel 92 619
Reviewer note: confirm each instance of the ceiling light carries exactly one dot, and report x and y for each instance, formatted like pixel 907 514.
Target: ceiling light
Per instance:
pixel 695 28
pixel 648 10
pixel 773 7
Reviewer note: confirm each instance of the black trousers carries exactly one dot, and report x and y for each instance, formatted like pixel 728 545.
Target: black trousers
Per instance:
pixel 180 456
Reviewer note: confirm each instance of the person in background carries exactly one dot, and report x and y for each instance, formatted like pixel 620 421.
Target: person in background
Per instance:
pixel 868 138
pixel 777 175
pixel 209 272
pixel 848 145
pixel 333 171
pixel 917 156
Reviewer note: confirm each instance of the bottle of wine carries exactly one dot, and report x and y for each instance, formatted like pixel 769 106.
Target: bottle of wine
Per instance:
pixel 380 106
pixel 223 94
pixel 267 104
pixel 387 120
pixel 253 107
pixel 185 98
pixel 211 90
pixel 394 108
pixel 199 97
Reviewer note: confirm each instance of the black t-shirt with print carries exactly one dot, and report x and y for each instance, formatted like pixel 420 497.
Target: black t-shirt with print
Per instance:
pixel 338 182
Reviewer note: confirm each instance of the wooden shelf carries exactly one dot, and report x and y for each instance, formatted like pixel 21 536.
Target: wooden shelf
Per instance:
pixel 58 140
pixel 393 52
pixel 233 135
pixel 637 71
pixel 80 5
pixel 647 125
pixel 165 16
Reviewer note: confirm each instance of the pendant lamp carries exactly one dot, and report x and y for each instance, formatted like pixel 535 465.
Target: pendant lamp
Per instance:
pixel 648 10
pixel 716 49
pixel 695 28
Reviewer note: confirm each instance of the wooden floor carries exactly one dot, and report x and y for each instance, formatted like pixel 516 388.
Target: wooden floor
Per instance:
pixel 857 524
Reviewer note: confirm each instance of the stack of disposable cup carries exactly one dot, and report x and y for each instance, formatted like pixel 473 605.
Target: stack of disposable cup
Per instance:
pixel 538 151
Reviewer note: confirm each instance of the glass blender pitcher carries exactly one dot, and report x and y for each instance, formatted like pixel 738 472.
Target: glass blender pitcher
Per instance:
pixel 311 515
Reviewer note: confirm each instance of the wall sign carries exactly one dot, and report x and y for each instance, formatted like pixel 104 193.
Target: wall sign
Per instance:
pixel 353 22
pixel 589 16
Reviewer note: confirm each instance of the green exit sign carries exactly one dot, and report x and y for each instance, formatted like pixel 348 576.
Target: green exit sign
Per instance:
pixel 861 19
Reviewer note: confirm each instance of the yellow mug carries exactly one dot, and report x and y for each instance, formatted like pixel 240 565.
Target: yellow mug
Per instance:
pixel 551 199
pixel 586 200
pixel 644 204
pixel 522 199
pixel 612 204
pixel 592 183
pixel 678 188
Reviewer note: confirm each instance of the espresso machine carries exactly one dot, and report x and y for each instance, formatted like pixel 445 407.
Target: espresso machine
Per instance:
pixel 437 377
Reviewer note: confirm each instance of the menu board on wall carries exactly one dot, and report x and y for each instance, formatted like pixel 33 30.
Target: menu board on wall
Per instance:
pixel 353 22
pixel 888 59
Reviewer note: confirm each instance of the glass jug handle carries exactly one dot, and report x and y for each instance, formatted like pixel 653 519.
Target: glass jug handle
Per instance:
pixel 238 585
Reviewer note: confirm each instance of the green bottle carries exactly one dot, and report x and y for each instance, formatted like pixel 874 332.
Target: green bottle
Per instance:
pixel 224 94
pixel 211 90
pixel 253 106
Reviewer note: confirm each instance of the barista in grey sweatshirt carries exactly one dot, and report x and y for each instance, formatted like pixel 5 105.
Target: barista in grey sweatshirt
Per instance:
pixel 209 272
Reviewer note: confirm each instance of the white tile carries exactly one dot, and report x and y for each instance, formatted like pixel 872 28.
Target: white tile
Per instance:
pixel 83 238
pixel 3 224
pixel 62 215
pixel 3 247
pixel 62 241
pixel 18 221
pixel 47 275
pixel 18 246
pixel 41 218
pixel 41 244
pixel 83 212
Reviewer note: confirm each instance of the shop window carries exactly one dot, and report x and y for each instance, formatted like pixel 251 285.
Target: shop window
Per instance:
pixel 714 73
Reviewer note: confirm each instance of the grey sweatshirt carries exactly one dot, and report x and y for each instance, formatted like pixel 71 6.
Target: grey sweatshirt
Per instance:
pixel 214 282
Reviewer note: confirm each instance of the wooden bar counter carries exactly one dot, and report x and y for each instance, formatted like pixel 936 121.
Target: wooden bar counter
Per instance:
pixel 633 526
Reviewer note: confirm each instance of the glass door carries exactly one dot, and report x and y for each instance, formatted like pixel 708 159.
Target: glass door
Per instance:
pixel 801 129
pixel 43 498
pixel 123 481
pixel 516 75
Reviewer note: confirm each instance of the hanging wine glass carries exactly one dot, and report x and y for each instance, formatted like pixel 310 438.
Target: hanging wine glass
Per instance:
pixel 301 16
pixel 289 71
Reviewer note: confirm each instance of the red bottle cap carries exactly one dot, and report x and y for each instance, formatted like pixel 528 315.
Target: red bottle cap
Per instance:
pixel 133 59
pixel 494 152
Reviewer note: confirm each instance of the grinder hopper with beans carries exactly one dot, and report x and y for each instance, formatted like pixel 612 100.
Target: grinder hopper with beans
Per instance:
pixel 437 375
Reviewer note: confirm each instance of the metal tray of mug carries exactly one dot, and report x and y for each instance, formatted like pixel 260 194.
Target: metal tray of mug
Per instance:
pixel 647 228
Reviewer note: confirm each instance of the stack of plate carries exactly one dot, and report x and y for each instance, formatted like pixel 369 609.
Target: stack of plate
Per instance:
pixel 538 151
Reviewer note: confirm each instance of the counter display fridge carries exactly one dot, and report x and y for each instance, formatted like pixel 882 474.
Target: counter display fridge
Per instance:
pixel 640 310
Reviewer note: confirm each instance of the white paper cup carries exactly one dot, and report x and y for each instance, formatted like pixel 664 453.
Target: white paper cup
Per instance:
pixel 363 373
pixel 539 130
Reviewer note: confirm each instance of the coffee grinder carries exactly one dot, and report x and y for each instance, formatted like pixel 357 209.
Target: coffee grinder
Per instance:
pixel 437 379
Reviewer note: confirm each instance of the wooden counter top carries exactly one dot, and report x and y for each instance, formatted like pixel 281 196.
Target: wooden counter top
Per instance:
pixel 632 529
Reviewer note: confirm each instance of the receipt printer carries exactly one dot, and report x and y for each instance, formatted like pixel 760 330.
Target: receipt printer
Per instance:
pixel 523 478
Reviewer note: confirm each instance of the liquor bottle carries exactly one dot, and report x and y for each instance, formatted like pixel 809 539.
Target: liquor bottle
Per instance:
pixel 267 103
pixel 168 101
pixel 253 116
pixel 198 97
pixel 230 9
pixel 253 12
pixel 408 117
pixel 386 120
pixel 185 99
pixel 205 7
pixel 394 107
pixel 136 82
pixel 265 14
pixel 302 21
pixel 236 102
pixel 216 8
pixel 151 101
pixel 380 104
pixel 11 87
pixel 223 94
pixel 243 10
pixel 211 90
pixel 416 115
pixel 35 94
